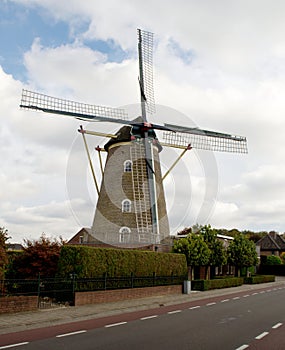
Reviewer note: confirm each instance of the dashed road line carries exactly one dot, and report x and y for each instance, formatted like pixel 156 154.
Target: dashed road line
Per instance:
pixel 194 307
pixel 262 335
pixel 148 317
pixel 247 295
pixel 114 324
pixel 174 312
pixel 72 333
pixel 254 293
pixel 245 346
pixel 277 325
pixel 13 345
pixel 210 304
pixel 225 300
pixel 236 298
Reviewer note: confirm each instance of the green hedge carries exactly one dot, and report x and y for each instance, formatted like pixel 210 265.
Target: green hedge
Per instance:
pixel 259 279
pixel 216 283
pixel 87 262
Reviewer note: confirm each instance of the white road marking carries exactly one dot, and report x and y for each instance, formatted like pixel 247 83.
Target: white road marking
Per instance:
pixel 72 333
pixel 115 324
pixel 245 296
pixel 148 317
pixel 262 335
pixel 225 300
pixel 262 292
pixel 236 298
pixel 242 347
pixel 210 304
pixel 174 312
pixel 12 345
pixel 194 307
pixel 277 325
pixel 254 293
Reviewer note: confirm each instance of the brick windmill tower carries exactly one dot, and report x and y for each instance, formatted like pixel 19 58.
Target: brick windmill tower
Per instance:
pixel 131 208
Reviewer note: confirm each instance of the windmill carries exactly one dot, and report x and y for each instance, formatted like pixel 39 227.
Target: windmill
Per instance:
pixel 131 206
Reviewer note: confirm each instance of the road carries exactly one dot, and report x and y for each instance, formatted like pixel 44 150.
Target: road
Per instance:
pixel 239 321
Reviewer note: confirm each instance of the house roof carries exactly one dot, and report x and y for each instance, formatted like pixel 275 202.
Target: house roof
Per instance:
pixel 271 241
pixel 14 246
pixel 86 229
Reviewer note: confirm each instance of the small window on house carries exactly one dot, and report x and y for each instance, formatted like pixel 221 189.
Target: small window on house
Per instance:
pixel 80 239
pixel 128 166
pixel 124 234
pixel 126 206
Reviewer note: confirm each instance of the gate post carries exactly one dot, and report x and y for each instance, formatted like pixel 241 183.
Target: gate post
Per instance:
pixel 39 289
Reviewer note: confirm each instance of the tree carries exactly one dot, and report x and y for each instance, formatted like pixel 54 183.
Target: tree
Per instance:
pixel 217 251
pixel 273 260
pixel 195 249
pixel 39 257
pixel 3 252
pixel 242 253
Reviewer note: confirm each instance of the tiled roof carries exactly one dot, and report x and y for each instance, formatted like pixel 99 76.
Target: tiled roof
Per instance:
pixel 271 242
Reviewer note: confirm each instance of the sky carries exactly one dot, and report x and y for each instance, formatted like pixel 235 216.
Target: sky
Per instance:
pixel 218 65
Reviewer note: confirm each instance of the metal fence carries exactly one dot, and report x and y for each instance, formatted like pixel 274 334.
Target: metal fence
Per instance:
pixel 55 291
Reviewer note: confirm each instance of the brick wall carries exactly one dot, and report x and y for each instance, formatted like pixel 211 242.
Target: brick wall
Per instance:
pixel 18 304
pixel 82 298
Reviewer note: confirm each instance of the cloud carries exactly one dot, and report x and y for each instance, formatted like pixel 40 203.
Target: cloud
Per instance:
pixel 53 218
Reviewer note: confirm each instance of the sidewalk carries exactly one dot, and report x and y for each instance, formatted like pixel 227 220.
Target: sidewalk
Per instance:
pixel 17 322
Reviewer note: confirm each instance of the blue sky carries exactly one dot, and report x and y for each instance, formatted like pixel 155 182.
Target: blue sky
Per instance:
pixel 20 25
pixel 226 75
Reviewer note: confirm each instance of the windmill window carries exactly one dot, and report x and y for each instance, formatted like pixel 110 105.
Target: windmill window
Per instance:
pixel 126 206
pixel 128 166
pixel 124 236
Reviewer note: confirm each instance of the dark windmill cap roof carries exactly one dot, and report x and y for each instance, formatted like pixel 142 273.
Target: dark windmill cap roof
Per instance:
pixel 124 134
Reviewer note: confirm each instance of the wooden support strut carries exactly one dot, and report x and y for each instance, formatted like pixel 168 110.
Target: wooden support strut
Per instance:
pixel 188 148
pixel 99 149
pixel 83 132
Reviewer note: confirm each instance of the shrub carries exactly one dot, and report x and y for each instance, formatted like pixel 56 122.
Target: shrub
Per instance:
pixel 87 262
pixel 273 260
pixel 259 279
pixel 216 283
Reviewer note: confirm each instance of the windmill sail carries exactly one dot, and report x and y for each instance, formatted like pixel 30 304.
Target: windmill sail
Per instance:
pixel 49 104
pixel 204 139
pixel 145 49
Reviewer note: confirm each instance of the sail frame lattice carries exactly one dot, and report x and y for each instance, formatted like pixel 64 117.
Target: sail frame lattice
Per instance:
pixel 210 142
pixel 46 103
pixel 146 41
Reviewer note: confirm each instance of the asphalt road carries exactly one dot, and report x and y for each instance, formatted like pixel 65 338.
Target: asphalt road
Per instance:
pixel 242 321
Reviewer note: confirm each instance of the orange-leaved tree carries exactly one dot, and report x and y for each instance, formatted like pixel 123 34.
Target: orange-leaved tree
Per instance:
pixel 39 257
